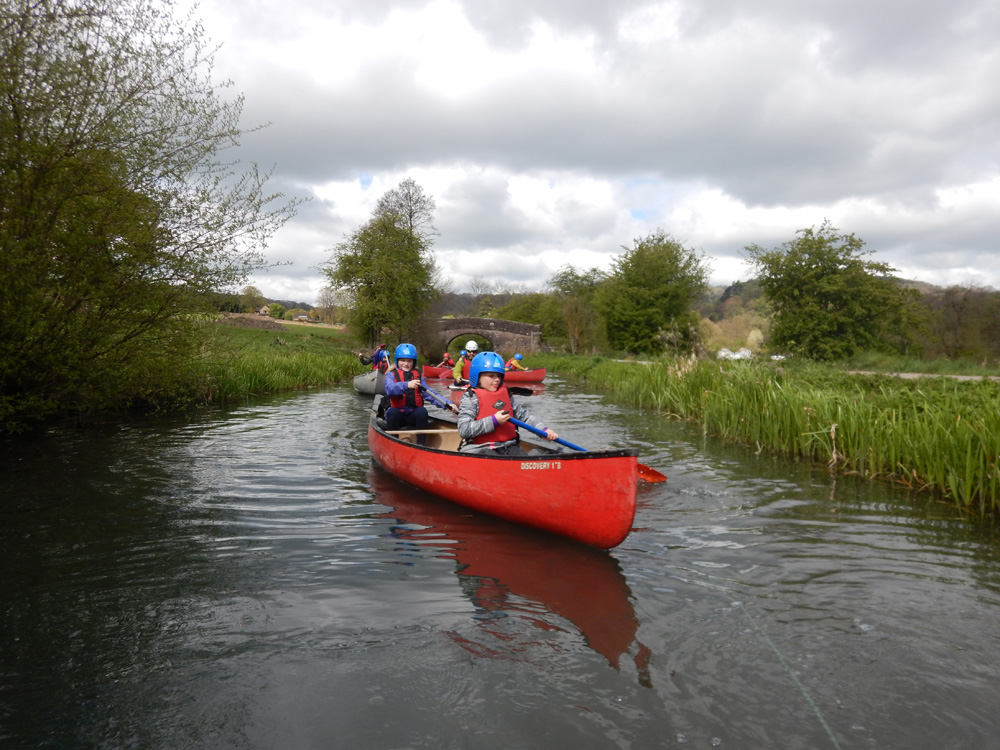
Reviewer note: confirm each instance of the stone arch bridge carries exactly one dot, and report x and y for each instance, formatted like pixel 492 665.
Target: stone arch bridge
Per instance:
pixel 504 335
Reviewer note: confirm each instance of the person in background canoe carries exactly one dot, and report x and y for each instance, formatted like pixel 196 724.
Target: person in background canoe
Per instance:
pixel 406 401
pixel 380 358
pixel 484 414
pixel 471 349
pixel 447 361
pixel 514 363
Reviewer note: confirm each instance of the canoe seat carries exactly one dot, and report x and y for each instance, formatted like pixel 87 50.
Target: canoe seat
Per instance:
pixel 445 440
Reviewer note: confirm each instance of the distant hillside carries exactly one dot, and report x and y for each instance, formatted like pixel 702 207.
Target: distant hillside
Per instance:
pixel 290 305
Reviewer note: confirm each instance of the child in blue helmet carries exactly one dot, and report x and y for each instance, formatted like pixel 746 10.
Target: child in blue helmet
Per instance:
pixel 514 363
pixel 406 400
pixel 380 358
pixel 487 406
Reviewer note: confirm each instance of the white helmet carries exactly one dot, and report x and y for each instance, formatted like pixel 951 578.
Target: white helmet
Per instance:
pixel 472 346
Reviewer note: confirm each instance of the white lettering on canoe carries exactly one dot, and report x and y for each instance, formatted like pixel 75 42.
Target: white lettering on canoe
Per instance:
pixel 541 464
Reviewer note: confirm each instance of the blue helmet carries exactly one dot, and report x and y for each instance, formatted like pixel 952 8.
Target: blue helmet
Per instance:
pixel 518 357
pixel 462 353
pixel 485 362
pixel 406 351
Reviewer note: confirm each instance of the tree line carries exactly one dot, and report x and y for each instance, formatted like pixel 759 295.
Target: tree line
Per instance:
pixel 123 224
pixel 819 295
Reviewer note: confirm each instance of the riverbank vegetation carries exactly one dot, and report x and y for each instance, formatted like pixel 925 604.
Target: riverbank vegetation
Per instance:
pixel 932 433
pixel 231 364
pixel 243 362
pixel 121 218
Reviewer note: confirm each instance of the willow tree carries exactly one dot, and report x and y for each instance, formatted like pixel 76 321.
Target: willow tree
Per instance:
pixel 385 268
pixel 118 214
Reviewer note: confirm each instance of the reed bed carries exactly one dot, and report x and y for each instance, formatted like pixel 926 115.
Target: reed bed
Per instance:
pixel 242 363
pixel 935 434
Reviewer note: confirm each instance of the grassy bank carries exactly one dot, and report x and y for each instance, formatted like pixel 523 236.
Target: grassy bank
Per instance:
pixel 933 433
pixel 243 362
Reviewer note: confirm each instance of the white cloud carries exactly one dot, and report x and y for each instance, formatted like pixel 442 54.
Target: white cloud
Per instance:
pixel 554 132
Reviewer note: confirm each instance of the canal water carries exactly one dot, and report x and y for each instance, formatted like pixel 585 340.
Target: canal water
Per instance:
pixel 246 578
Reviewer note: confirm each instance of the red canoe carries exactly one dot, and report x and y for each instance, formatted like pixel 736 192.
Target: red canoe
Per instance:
pixel 433 371
pixel 587 496
pixel 511 376
pixel 524 376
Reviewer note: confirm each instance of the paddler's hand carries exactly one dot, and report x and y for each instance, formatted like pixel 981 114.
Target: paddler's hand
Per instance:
pixel 453 407
pixel 413 384
pixel 551 434
pixel 502 416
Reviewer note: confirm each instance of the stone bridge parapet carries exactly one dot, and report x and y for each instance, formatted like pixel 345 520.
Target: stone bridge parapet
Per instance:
pixel 505 335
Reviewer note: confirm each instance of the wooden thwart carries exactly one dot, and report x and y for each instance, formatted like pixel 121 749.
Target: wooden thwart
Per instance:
pixel 417 432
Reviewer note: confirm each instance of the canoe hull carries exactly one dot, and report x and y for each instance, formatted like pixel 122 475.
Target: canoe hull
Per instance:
pixel 511 376
pixel 433 372
pixel 525 376
pixel 589 497
pixel 370 383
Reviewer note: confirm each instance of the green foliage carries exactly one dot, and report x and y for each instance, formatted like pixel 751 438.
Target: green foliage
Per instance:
pixel 276 310
pixel 117 218
pixel 647 302
pixel 251 299
pixel 964 322
pixel 243 362
pixel 576 293
pixel 828 301
pixel 385 266
pixel 535 308
pixel 937 434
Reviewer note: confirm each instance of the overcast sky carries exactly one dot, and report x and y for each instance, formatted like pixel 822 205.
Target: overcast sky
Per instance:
pixel 555 132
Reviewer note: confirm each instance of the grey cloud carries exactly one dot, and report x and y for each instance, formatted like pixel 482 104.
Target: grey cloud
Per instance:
pixel 778 103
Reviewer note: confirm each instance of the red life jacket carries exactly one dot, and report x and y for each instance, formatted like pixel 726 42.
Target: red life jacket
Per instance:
pixel 490 402
pixel 413 397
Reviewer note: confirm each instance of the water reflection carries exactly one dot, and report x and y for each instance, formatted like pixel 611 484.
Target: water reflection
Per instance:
pixel 510 571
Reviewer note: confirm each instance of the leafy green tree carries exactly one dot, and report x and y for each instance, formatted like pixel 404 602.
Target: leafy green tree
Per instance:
pixel 386 270
pixel 118 218
pixel 576 293
pixel 647 301
pixel 536 308
pixel 828 301
pixel 252 299
pixel 276 310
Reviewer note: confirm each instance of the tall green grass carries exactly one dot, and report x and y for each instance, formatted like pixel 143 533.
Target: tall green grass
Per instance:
pixel 933 433
pixel 238 363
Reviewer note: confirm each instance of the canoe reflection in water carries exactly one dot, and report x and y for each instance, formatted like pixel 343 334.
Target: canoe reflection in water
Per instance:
pixel 500 565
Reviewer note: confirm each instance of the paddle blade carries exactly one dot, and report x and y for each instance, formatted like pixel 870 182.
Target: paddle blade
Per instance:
pixel 649 474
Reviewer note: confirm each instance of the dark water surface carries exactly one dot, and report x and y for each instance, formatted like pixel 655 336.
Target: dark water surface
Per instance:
pixel 247 579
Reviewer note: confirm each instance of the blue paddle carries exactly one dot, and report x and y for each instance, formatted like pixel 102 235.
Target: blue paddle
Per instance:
pixel 541 433
pixel 434 397
pixel 645 473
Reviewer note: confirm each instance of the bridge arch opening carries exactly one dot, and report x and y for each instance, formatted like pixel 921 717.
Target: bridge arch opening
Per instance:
pixel 506 336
